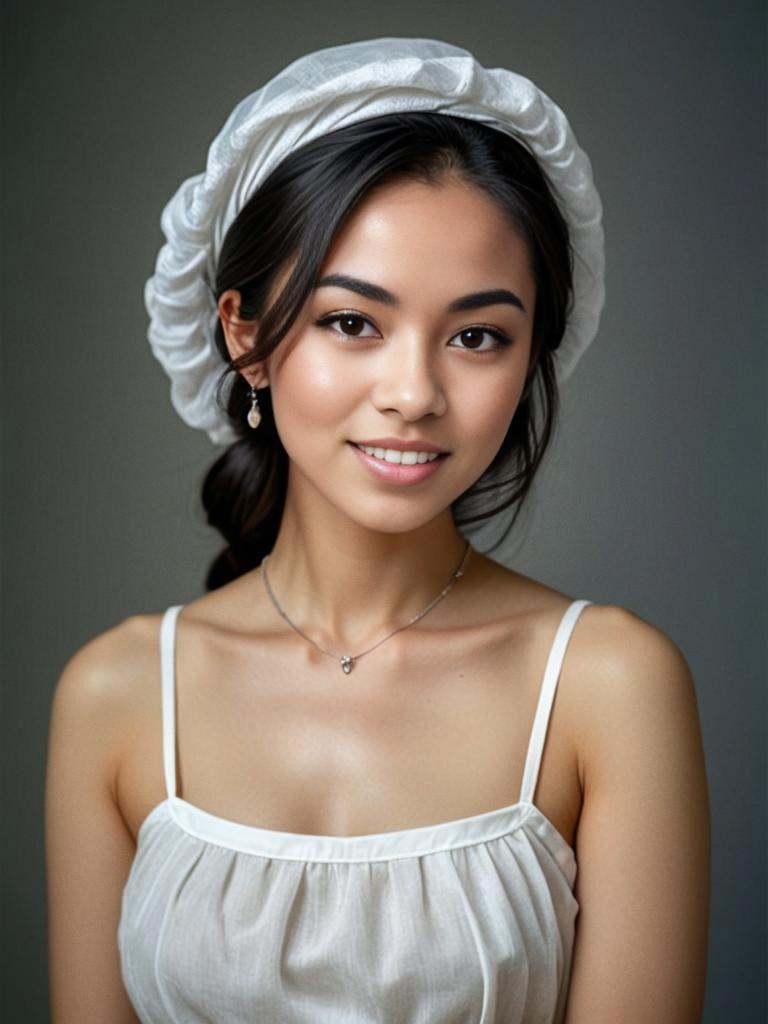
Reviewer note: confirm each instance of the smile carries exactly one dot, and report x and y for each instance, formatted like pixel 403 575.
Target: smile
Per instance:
pixel 396 456
pixel 398 467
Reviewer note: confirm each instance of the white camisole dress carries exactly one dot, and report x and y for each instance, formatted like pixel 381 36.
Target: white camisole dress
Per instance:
pixel 469 921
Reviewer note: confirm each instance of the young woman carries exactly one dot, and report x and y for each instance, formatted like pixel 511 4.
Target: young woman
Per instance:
pixel 372 774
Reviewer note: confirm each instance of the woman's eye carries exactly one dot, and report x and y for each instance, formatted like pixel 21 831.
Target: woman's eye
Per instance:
pixel 351 324
pixel 472 337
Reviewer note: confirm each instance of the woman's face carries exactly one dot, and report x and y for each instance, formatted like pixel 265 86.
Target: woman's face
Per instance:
pixel 410 347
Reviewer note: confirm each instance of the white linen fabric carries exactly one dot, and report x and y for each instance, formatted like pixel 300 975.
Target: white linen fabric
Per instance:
pixel 318 93
pixel 469 921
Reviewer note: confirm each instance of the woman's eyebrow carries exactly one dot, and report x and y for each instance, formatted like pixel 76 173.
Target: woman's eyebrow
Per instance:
pixel 476 300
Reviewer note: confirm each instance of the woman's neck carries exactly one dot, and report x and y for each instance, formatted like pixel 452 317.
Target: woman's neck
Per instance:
pixel 346 586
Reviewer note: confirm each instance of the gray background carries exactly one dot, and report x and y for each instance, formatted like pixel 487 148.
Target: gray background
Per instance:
pixel 653 496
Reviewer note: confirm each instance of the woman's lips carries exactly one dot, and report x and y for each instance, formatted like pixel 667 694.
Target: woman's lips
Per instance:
pixel 396 472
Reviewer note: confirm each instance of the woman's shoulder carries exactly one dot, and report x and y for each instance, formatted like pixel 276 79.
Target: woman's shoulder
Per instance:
pixel 626 693
pixel 112 675
pixel 621 652
pixel 103 701
pixel 625 684
pixel 117 671
pixel 615 657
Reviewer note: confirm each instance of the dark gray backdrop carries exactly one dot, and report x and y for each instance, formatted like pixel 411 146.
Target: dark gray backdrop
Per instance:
pixel 653 496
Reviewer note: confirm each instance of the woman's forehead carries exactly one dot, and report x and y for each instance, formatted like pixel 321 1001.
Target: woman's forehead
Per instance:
pixel 451 238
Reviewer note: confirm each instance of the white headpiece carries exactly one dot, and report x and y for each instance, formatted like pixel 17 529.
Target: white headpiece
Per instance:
pixel 316 94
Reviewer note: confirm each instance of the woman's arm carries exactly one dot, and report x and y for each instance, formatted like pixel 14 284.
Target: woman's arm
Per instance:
pixel 643 840
pixel 88 847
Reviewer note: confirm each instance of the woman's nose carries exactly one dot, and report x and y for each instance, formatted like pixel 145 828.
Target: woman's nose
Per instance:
pixel 409 380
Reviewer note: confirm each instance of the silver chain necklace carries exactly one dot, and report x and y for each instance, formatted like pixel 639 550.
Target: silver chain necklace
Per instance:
pixel 347 661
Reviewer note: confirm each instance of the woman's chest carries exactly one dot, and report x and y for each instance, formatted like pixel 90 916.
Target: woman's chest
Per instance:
pixel 401 742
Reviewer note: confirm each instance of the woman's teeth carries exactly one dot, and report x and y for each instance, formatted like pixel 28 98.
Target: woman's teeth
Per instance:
pixel 393 455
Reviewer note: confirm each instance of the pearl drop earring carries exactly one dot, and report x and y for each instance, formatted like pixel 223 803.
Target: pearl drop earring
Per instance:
pixel 254 416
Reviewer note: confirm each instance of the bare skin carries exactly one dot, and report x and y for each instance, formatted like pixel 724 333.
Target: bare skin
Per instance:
pixel 433 725
pixel 430 728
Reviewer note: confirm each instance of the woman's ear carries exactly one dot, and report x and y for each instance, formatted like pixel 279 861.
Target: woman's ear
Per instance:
pixel 240 335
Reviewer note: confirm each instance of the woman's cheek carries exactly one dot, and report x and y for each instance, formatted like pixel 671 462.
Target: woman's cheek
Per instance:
pixel 310 391
pixel 492 412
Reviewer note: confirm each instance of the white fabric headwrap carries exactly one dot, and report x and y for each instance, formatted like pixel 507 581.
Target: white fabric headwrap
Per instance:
pixel 316 94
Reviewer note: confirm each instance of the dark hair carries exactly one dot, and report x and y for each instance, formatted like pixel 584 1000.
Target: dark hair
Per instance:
pixel 294 215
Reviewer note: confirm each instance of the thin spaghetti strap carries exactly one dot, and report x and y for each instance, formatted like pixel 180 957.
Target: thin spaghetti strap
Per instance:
pixel 546 698
pixel 168 686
